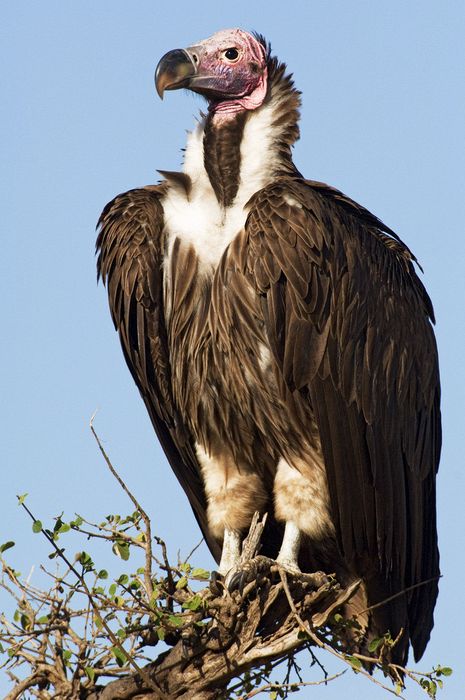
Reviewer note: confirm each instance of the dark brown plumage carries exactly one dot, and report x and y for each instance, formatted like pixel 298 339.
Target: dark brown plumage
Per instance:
pixel 307 342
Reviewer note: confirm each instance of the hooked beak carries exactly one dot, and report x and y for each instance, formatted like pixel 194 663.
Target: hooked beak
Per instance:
pixel 174 71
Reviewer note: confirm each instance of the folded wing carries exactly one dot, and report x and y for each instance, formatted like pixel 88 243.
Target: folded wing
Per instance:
pixel 130 249
pixel 349 325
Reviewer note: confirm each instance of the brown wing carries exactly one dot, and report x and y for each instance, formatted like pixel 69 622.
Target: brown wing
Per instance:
pixel 130 250
pixel 348 322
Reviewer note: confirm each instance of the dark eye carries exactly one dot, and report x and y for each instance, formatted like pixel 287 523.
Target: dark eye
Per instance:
pixel 231 54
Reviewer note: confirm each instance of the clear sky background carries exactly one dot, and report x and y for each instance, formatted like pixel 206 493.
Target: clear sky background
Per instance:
pixel 383 119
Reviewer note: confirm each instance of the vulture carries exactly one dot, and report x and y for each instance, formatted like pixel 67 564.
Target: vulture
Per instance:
pixel 282 343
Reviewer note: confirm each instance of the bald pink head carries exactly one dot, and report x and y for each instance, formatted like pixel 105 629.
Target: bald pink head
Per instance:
pixel 229 69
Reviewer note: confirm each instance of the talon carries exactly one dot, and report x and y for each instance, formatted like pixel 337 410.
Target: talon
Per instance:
pixel 216 583
pixel 234 580
pixel 240 576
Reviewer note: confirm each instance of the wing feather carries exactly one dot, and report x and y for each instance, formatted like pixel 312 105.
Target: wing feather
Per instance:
pixel 349 325
pixel 130 249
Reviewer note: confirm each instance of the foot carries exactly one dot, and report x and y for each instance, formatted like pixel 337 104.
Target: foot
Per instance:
pixel 262 568
pixel 289 565
pixel 254 570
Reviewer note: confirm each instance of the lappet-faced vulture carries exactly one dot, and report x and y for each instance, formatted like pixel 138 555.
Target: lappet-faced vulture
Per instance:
pixel 282 343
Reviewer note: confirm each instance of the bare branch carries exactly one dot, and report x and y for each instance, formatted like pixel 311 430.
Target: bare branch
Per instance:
pixel 146 519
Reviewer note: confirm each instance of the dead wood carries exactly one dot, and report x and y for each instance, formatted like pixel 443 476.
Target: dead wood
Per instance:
pixel 245 631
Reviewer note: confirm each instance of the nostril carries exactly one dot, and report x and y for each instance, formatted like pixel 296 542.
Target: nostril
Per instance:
pixel 195 58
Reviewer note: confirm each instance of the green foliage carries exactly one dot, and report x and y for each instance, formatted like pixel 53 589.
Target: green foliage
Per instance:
pixel 36 526
pixel 200 575
pixel 6 545
pixel 107 615
pixel 120 656
pixel 93 624
pixel 354 662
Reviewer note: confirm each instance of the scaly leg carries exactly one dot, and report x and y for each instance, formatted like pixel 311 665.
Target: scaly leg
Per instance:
pixel 290 546
pixel 231 551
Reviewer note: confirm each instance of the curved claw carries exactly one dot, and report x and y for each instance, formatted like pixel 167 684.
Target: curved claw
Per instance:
pixel 240 576
pixel 216 584
pixel 236 580
pixel 253 571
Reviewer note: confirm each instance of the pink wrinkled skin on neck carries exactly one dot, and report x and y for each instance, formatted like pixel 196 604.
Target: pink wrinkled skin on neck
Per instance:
pixel 252 101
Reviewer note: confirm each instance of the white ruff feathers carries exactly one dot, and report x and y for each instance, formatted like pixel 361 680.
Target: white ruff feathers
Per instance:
pixel 200 220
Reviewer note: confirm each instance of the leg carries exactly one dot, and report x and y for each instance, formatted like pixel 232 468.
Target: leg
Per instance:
pixel 289 552
pixel 302 503
pixel 234 493
pixel 231 551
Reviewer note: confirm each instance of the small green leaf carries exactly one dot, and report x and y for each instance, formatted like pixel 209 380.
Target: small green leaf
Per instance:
pixel 161 634
pixel 182 583
pixel 44 620
pixel 90 673
pixel 6 545
pixel 273 695
pixel 375 643
pixel 64 527
pixel 103 573
pixel 85 560
pixel 429 686
pixel 200 574
pixel 175 620
pixel 112 589
pixel 123 579
pixel 55 554
pixel 120 656
pixel 121 549
pixel 21 499
pixel 354 662
pixel 398 688
pixel 446 671
pixel 36 526
pixel 338 617
pixel 193 603
pixel 67 654
pixel 25 621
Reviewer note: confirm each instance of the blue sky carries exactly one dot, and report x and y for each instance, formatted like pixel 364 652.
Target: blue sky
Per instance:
pixel 383 119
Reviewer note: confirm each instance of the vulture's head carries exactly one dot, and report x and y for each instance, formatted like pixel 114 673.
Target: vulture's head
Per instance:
pixel 229 69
